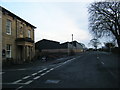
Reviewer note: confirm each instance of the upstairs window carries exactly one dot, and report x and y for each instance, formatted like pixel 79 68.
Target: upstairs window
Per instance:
pixel 29 33
pixel 8 27
pixel 8 51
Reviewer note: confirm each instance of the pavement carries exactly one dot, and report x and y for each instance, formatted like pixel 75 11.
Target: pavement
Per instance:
pixel 37 62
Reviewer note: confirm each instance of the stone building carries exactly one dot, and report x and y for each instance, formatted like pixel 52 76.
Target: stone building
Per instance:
pixel 17 38
pixel 55 47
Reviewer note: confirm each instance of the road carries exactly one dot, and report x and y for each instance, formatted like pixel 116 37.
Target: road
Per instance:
pixel 87 70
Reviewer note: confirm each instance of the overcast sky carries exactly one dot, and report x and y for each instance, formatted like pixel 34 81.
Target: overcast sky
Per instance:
pixel 54 20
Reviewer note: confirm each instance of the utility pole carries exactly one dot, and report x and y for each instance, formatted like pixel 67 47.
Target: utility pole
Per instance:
pixel 72 41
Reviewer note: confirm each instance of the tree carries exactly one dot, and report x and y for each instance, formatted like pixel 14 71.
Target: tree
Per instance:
pixel 94 42
pixel 104 19
pixel 109 45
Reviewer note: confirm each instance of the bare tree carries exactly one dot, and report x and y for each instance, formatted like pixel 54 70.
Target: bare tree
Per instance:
pixel 104 19
pixel 95 43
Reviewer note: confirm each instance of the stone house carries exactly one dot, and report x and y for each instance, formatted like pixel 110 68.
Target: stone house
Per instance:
pixel 17 38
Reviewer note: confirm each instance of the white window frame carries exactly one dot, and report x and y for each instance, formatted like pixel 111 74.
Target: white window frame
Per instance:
pixel 29 33
pixel 8 51
pixel 8 26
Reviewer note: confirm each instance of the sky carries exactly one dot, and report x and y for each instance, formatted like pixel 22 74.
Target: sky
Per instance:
pixel 55 20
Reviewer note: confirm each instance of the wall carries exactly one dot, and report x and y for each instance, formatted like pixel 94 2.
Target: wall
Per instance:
pixel 0 47
pixel 9 39
pixel 16 32
pixel 79 48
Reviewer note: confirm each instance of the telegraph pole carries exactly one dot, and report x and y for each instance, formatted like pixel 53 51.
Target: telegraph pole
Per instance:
pixel 72 41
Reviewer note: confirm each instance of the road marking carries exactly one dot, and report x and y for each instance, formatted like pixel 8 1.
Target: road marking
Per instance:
pixel 21 69
pixel 48 71
pixel 19 87
pixel 45 69
pixel 102 62
pixel 34 74
pixel 40 71
pixel 64 63
pixel 43 74
pixel 26 77
pixel 2 72
pixel 13 83
pixel 28 82
pixel 52 81
pixel 72 59
pixel 17 81
pixel 36 77
pixel 97 57
pixel 51 69
pixel 112 74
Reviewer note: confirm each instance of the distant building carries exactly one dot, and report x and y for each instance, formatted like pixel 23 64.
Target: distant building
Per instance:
pixel 17 38
pixel 55 47
pixel 75 46
pixel 47 44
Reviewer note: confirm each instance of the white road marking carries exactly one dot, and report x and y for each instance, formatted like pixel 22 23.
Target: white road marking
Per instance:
pixel 34 74
pixel 17 81
pixel 2 72
pixel 19 87
pixel 26 77
pixel 52 81
pixel 97 57
pixel 45 69
pixel 102 62
pixel 48 71
pixel 64 62
pixel 72 59
pixel 51 69
pixel 13 83
pixel 40 71
pixel 21 69
pixel 43 74
pixel 36 77
pixel 28 82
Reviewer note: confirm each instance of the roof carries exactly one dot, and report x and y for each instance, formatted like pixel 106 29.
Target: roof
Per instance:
pixel 47 44
pixel 11 14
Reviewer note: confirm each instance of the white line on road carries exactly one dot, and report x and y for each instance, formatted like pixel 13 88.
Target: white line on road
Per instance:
pixel 72 59
pixel 97 57
pixel 36 77
pixel 13 83
pixel 45 69
pixel 2 72
pixel 28 82
pixel 40 71
pixel 51 69
pixel 26 77
pixel 43 74
pixel 102 62
pixel 34 74
pixel 21 69
pixel 48 71
pixel 17 81
pixel 19 87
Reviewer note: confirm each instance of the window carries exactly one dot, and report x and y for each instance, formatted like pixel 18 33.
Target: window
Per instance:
pixel 8 51
pixel 8 27
pixel 29 33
